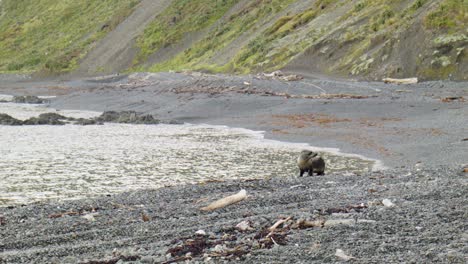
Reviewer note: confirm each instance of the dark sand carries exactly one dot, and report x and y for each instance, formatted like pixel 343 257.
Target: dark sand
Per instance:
pixel 414 129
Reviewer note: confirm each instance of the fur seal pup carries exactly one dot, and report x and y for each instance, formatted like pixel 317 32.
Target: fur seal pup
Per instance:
pixel 310 162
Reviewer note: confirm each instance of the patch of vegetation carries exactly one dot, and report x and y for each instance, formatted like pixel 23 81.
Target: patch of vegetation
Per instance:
pixel 418 4
pixel 260 53
pixel 53 35
pixel 434 73
pixel 382 19
pixel 198 55
pixel 181 17
pixel 449 15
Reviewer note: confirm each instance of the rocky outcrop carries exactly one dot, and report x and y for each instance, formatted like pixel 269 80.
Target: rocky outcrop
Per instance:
pixel 132 117
pixel 47 119
pixel 123 117
pixel 7 120
pixel 127 117
pixel 29 99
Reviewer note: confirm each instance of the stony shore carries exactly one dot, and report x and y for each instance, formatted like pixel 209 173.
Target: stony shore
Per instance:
pixel 413 212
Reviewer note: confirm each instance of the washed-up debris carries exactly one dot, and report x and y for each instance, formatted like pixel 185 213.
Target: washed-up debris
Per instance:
pixel 231 245
pixel 145 217
pixel 244 226
pixel 63 214
pixel 235 242
pixel 267 238
pixel 400 81
pixel 113 260
pixel 279 75
pixel 305 224
pixel 297 186
pixel 278 223
pixel 246 90
pixel 387 203
pixel 195 247
pixel 231 252
pixel 450 99
pixel 178 259
pixel 347 222
pixel 226 201
pixel 346 209
pixel 2 220
pixel 342 255
pixel 82 212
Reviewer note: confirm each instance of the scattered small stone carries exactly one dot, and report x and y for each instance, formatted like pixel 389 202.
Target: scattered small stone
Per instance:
pixel 90 216
pixel 387 203
pixel 244 226
pixel 145 217
pixel 200 233
pixel 342 255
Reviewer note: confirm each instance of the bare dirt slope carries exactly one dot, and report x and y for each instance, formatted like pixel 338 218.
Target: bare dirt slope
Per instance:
pixel 115 52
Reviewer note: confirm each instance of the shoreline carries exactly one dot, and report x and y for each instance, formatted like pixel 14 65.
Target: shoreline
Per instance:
pixel 424 181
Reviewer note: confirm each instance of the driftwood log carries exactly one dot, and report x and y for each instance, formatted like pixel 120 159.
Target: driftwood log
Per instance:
pixel 226 201
pixel 400 81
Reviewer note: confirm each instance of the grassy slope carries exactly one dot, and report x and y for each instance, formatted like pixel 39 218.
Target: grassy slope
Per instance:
pixel 52 35
pixel 364 33
pixel 181 17
pixel 370 38
pixel 198 56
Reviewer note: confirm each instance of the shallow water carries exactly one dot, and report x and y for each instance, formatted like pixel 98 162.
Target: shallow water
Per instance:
pixel 72 162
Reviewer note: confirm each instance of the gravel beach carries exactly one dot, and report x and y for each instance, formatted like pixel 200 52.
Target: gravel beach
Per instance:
pixel 411 209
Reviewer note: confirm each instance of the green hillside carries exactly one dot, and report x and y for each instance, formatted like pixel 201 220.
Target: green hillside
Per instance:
pixel 50 35
pixel 363 38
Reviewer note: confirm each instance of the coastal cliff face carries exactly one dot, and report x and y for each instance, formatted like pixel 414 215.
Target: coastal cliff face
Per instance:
pixel 360 39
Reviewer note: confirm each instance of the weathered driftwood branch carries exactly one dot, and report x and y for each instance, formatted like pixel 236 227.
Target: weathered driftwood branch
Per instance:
pixel 63 214
pixel 226 201
pixel 273 228
pixel 301 223
pixel 278 223
pixel 400 81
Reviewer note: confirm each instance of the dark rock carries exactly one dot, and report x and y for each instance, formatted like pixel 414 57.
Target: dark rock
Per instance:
pixel 171 122
pixel 126 117
pixel 85 122
pixel 9 121
pixel 29 99
pixel 108 116
pixel 46 119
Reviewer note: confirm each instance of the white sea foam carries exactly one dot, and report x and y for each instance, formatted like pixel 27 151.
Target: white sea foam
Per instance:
pixel 72 162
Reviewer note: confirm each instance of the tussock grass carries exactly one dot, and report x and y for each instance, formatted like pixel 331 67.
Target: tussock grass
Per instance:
pixel 49 35
pixel 181 17
pixel 197 57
